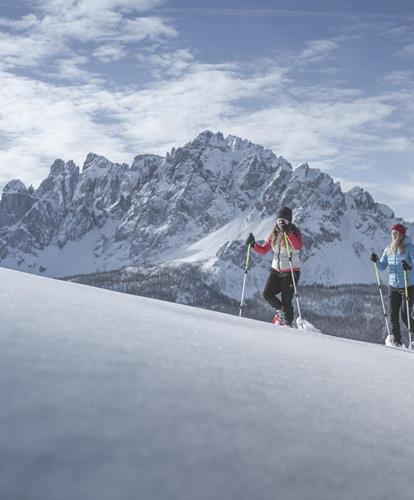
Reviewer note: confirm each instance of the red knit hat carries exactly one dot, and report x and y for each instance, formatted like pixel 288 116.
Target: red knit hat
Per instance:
pixel 400 228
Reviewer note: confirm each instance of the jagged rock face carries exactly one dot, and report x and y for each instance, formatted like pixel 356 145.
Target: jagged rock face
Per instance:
pixel 16 201
pixel 320 206
pixel 195 190
pixel 195 205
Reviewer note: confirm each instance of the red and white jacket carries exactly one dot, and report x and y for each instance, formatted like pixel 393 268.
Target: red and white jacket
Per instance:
pixel 280 253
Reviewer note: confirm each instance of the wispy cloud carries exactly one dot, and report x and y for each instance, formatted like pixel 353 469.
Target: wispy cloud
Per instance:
pixel 326 132
pixel 24 23
pixel 43 121
pixel 400 78
pixel 280 13
pixel 88 28
pixel 303 126
pixel 12 5
pixel 171 63
pixel 109 52
pixel 74 69
pixel 398 194
pixel 82 7
pixel 317 50
pixel 46 120
pixel 408 50
pixel 402 31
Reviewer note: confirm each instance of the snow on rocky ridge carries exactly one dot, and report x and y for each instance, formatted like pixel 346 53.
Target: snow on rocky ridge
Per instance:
pixel 195 205
pixel 106 395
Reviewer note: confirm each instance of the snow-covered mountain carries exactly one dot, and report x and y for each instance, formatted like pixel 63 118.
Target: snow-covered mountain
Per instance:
pixel 108 396
pixel 196 205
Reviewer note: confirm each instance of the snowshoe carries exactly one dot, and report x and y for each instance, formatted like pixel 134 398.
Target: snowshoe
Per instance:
pixel 391 342
pixel 279 319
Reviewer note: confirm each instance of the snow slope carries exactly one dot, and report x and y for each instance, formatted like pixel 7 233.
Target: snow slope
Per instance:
pixel 109 396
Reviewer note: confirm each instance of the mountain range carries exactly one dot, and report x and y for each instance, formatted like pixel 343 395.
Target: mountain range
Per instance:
pixel 195 205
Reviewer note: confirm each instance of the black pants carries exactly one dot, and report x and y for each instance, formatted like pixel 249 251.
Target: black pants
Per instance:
pixel 397 303
pixel 281 283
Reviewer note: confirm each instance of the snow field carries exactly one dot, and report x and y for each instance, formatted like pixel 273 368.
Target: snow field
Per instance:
pixel 108 396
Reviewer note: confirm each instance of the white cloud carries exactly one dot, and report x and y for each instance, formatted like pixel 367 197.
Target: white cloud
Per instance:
pixel 30 51
pixel 62 28
pixel 324 132
pixel 109 52
pixel 398 195
pixel 398 192
pixel 397 144
pixel 283 13
pixel 401 78
pixel 74 68
pixel 175 111
pixel 167 64
pixel 43 122
pixel 317 50
pixel 25 23
pixel 400 32
pixel 348 184
pixel 140 28
pixel 47 121
pixel 408 50
pixel 90 7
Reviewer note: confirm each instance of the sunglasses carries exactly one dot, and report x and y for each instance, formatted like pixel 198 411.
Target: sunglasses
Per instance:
pixel 279 221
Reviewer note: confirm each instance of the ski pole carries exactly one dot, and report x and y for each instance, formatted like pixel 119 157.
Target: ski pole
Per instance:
pixel 408 308
pixel 299 320
pixel 382 300
pixel 246 268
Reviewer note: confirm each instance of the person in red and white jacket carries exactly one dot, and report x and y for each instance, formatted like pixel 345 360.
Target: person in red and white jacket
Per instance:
pixel 280 279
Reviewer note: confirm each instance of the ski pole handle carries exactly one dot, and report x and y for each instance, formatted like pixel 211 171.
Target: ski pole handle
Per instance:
pixel 247 259
pixel 376 273
pixel 246 268
pixel 382 299
pixel 289 250
pixel 407 305
pixel 405 284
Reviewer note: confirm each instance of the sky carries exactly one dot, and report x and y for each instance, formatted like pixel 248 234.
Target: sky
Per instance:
pixel 320 81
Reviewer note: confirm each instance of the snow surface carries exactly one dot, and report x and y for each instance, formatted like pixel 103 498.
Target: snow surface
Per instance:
pixel 109 396
pixel 76 257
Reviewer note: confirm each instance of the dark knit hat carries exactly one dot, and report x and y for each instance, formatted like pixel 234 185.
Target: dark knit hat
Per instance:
pixel 285 213
pixel 400 228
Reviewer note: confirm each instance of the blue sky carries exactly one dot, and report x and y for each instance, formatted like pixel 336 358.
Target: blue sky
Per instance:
pixel 326 82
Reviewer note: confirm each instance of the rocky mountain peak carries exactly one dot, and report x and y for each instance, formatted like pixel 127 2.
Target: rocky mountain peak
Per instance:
pixel 57 167
pixel 96 161
pixel 361 198
pixel 195 205
pixel 13 187
pixel 205 138
pixel 16 201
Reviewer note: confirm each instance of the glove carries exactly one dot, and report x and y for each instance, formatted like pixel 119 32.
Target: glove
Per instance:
pixel 374 257
pixel 406 266
pixel 283 226
pixel 250 240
